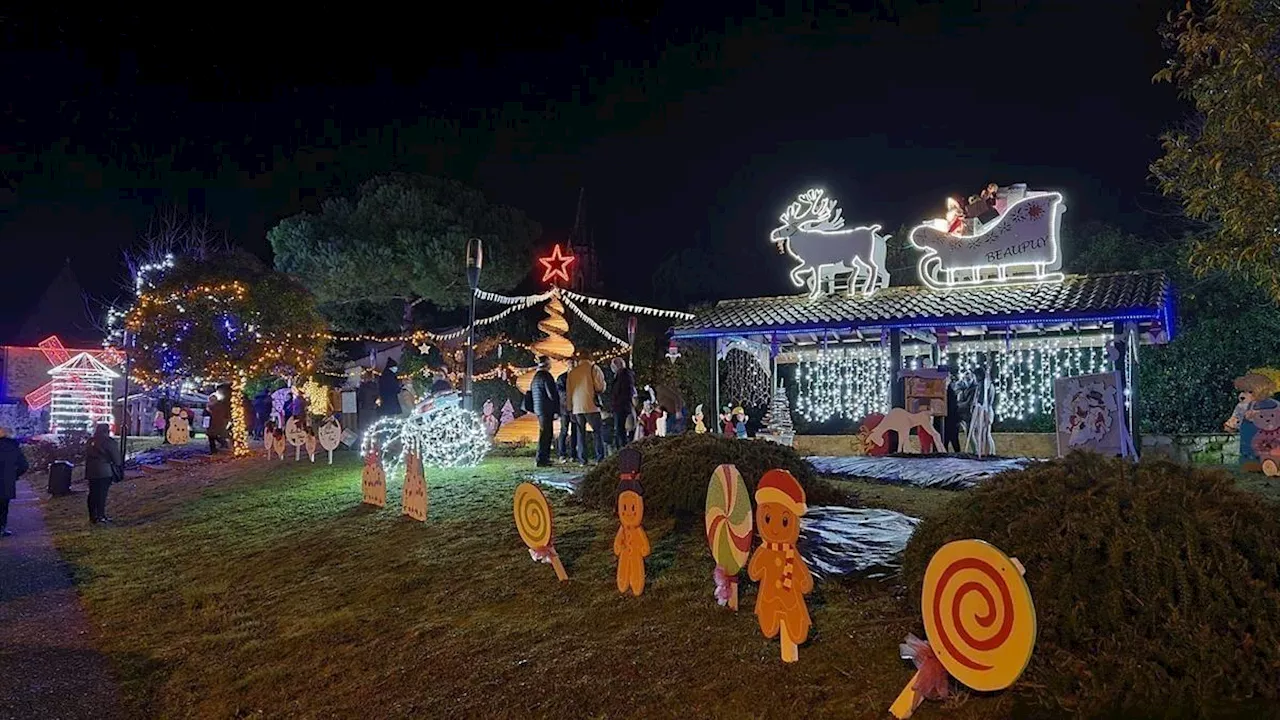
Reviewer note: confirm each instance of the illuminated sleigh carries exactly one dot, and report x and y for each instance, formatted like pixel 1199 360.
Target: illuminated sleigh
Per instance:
pixel 1020 246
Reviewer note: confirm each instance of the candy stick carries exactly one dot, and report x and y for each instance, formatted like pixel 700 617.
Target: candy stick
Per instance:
pixel 908 700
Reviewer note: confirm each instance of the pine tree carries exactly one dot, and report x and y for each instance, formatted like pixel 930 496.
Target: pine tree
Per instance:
pixel 776 423
pixel 508 414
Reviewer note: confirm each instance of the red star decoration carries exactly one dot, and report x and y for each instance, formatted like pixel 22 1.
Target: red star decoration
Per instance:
pixel 556 265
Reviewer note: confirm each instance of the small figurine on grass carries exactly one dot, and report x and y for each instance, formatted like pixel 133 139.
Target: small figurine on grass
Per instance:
pixel 784 578
pixel 631 544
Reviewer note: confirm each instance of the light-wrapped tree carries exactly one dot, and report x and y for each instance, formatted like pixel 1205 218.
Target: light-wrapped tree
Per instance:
pixel 228 319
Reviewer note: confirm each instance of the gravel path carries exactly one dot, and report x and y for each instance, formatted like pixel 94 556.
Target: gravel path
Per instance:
pixel 48 666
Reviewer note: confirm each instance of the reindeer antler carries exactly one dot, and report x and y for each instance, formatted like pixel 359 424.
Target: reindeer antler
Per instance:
pixel 812 212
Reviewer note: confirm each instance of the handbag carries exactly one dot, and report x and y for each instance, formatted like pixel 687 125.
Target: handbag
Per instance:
pixel 527 403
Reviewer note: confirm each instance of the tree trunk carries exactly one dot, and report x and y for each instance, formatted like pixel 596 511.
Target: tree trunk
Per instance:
pixel 239 431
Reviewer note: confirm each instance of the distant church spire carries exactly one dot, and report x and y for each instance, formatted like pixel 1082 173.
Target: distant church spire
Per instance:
pixel 586 276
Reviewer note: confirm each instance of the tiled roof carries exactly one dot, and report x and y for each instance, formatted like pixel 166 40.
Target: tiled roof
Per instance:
pixel 1140 296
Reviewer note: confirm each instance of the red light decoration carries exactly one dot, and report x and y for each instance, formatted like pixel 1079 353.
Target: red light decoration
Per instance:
pixel 56 353
pixel 556 265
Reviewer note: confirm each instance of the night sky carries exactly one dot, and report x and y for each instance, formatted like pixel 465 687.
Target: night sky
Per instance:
pixel 682 127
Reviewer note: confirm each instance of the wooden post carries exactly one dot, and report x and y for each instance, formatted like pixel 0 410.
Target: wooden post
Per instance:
pixel 715 380
pixel 1135 412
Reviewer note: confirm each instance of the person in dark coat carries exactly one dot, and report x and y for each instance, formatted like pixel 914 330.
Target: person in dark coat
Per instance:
pixel 622 401
pixel 12 464
pixel 951 423
pixel 546 404
pixel 366 404
pixel 102 466
pixel 219 419
pixel 261 412
pixel 389 390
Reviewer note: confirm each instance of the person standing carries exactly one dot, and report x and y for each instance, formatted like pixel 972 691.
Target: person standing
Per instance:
pixel 102 466
pixel 219 419
pixel 567 442
pixel 12 464
pixel 546 403
pixel 585 381
pixel 389 390
pixel 261 413
pixel 622 400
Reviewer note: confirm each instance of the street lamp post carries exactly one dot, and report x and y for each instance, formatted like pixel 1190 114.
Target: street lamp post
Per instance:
pixel 124 403
pixel 475 260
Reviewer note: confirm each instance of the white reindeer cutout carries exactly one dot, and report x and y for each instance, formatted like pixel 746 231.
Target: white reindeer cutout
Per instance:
pixel 813 233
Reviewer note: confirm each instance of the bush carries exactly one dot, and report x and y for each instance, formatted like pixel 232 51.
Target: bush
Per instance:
pixel 41 453
pixel 1156 585
pixel 676 470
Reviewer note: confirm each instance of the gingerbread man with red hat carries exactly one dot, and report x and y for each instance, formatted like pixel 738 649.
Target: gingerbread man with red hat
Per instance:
pixel 784 578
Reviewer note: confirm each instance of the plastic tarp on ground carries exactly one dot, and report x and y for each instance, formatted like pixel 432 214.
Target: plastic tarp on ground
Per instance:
pixel 939 472
pixel 838 540
pixel 556 479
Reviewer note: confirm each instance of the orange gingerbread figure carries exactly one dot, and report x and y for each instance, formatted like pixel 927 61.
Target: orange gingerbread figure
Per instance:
pixel 631 544
pixel 784 578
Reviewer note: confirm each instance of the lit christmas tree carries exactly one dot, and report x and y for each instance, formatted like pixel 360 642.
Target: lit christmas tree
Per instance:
pixel 776 424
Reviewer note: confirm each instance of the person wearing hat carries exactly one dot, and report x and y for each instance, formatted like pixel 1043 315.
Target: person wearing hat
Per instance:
pixel 12 465
pixel 546 403
pixel 784 578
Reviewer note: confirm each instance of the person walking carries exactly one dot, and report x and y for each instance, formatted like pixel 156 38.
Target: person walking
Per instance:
pixel 546 403
pixel 622 401
pixel 102 466
pixel 585 382
pixel 12 465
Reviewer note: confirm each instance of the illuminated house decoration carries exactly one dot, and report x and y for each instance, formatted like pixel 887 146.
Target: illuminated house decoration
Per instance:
pixel 56 354
pixel 814 235
pixel 81 394
pixel 556 265
pixel 841 352
pixel 1019 246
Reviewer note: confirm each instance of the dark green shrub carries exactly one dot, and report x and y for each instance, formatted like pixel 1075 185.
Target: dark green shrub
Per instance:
pixel 1157 586
pixel 676 471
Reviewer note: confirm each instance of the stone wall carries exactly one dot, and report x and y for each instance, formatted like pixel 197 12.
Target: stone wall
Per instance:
pixel 1208 449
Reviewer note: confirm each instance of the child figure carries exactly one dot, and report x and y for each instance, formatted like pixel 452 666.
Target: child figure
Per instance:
pixel 698 426
pixel 631 544
pixel 740 422
pixel 726 422
pixel 648 420
pixel 784 578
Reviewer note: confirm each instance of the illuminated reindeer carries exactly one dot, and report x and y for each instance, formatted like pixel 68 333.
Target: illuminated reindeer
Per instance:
pixel 813 233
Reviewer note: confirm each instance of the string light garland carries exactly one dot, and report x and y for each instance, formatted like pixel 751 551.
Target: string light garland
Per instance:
pixel 843 382
pixel 592 323
pixel 81 394
pixel 624 307
pixel 747 382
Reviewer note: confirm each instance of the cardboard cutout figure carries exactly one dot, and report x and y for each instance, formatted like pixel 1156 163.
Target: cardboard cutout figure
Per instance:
pixel 179 432
pixel 631 544
pixel 373 479
pixel 296 435
pixel 533 522
pixel 330 436
pixel 699 426
pixel 902 422
pixel 278 442
pixel 980 620
pixel 728 526
pixel 414 496
pixel 783 576
pixel 269 437
pixel 311 444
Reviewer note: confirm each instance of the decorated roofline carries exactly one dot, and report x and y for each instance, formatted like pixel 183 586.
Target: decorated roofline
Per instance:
pixel 1160 314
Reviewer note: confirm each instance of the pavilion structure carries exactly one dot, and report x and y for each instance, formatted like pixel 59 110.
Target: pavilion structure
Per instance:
pixel 991 296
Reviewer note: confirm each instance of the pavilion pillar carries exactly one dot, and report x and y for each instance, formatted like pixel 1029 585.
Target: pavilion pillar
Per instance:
pixel 1135 407
pixel 896 395
pixel 715 374
pixel 1128 384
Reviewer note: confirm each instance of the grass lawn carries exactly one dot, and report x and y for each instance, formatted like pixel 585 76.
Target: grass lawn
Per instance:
pixel 245 588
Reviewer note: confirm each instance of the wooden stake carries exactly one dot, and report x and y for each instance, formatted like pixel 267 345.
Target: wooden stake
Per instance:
pixel 790 652
pixel 733 596
pixel 908 700
pixel 559 567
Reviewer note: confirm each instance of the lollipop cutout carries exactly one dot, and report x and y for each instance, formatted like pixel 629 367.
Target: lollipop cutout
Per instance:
pixel 979 617
pixel 533 522
pixel 728 525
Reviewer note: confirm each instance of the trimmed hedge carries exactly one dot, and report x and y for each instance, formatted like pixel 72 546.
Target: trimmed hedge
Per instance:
pixel 1157 586
pixel 676 470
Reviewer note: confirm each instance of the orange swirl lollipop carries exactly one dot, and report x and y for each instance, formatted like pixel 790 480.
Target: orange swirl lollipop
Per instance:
pixel 979 617
pixel 533 522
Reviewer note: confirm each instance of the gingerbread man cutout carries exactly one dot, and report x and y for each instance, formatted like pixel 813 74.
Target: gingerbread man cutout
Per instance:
pixel 631 544
pixel 784 578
